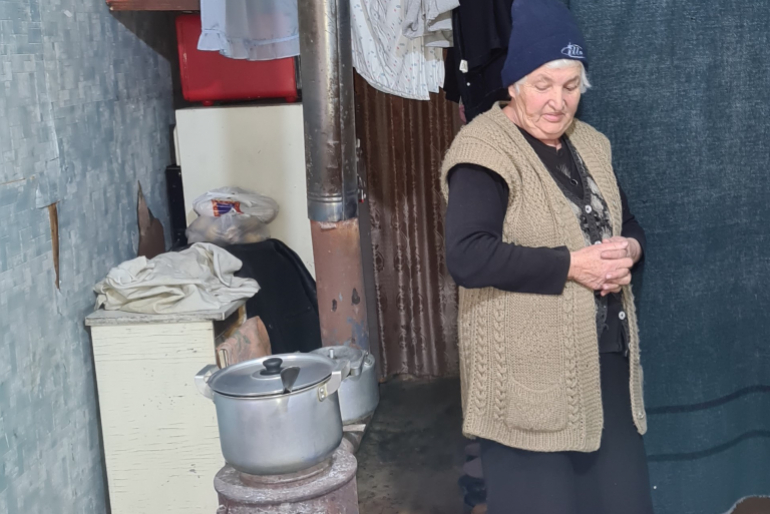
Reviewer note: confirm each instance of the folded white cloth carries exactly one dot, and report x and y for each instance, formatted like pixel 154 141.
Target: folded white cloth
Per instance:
pixel 200 278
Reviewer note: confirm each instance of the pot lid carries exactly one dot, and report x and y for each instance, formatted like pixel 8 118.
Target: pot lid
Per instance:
pixel 346 356
pixel 262 377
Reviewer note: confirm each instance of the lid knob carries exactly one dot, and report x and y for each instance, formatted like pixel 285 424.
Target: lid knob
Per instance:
pixel 272 367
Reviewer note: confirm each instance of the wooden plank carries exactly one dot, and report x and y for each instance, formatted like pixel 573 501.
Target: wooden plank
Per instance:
pixel 154 5
pixel 101 317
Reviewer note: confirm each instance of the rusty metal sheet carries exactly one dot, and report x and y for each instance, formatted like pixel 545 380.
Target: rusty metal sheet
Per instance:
pixel 403 143
pixel 340 283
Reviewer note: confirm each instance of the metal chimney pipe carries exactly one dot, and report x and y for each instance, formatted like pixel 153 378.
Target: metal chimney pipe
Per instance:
pixel 328 106
pixel 326 67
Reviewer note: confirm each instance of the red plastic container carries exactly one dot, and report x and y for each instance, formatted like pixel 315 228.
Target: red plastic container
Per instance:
pixel 210 77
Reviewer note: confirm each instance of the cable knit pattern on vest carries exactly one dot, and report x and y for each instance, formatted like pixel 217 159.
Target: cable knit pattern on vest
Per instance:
pixel 530 363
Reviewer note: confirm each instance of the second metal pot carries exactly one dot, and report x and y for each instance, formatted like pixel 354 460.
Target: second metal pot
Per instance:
pixel 266 428
pixel 359 392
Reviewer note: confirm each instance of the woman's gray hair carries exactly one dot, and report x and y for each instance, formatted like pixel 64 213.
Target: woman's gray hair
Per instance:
pixel 585 85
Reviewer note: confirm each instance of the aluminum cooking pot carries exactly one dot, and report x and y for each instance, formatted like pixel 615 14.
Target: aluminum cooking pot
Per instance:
pixel 360 392
pixel 278 414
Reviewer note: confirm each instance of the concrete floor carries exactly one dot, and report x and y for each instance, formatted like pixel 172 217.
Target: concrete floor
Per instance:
pixel 412 455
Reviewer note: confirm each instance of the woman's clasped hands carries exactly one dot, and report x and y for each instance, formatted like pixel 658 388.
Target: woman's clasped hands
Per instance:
pixel 605 267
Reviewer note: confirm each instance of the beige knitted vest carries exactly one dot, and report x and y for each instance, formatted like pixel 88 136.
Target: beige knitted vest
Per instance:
pixel 530 363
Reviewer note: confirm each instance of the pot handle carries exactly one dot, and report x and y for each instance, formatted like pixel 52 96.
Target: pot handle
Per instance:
pixel 332 385
pixel 365 361
pixel 202 381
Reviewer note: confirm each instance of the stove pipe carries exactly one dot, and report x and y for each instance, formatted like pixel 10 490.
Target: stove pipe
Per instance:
pixel 328 107
pixel 326 64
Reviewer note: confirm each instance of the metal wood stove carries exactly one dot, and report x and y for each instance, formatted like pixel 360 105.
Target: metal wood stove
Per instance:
pixel 328 488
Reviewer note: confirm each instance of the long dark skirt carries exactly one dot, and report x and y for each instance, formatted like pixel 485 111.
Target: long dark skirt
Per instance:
pixel 612 480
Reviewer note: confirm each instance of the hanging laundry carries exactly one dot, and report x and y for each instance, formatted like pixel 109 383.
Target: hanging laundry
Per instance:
pixel 386 58
pixel 481 30
pixel 431 20
pixel 257 30
pixel 439 13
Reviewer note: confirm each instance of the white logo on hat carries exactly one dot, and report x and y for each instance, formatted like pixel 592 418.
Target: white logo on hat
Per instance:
pixel 573 51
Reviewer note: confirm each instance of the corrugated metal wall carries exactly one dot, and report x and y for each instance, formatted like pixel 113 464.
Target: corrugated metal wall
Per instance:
pixel 403 143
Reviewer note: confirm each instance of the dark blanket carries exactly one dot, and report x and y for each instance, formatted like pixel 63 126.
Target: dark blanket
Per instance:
pixel 681 89
pixel 287 301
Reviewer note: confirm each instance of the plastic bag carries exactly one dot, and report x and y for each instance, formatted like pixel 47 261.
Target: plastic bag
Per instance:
pixel 225 200
pixel 231 215
pixel 229 229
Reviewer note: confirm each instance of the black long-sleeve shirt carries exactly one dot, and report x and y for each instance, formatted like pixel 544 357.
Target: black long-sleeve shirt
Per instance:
pixel 477 256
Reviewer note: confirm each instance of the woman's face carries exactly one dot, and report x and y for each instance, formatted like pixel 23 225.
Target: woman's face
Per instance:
pixel 546 102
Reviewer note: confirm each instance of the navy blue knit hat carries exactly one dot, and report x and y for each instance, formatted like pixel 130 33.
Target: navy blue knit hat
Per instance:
pixel 542 31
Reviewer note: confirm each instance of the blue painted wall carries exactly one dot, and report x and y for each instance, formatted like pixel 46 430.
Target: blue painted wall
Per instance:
pixel 85 110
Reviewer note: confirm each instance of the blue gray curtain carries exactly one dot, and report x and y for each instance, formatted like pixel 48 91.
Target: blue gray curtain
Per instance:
pixel 682 88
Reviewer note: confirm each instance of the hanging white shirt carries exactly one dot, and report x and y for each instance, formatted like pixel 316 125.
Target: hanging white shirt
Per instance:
pixel 386 58
pixel 257 30
pixel 430 19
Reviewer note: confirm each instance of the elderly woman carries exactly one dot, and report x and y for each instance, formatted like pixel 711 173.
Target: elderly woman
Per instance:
pixel 540 238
